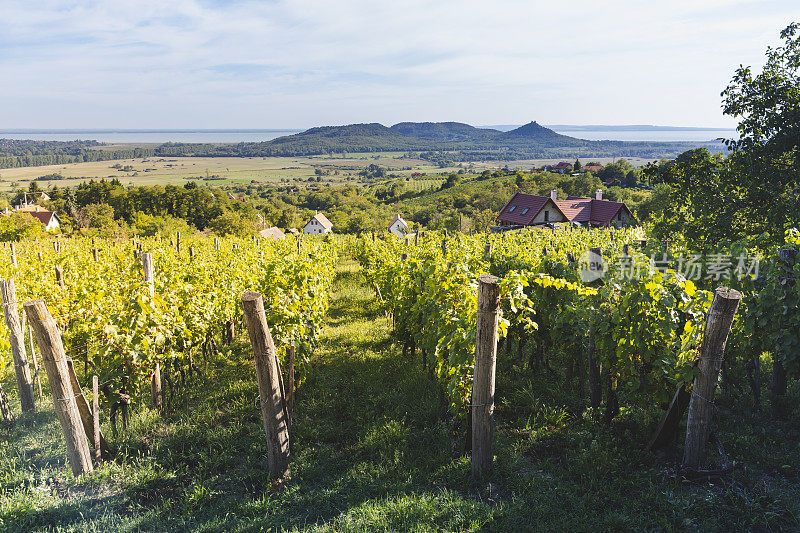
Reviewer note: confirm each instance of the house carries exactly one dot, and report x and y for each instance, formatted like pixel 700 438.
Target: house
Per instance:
pixel 272 233
pixel 50 219
pixel 593 168
pixel 318 225
pixel 237 198
pixel 398 226
pixel 560 168
pixel 532 210
pixel 44 197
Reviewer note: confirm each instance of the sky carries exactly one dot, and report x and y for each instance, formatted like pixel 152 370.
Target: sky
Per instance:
pixel 297 64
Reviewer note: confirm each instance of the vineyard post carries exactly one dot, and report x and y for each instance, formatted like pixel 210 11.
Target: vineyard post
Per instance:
pixel 191 251
pixel 216 244
pixel 36 377
pixel 96 418
pixel 416 239
pixel 483 381
pixel 290 399
pixel 147 269
pixel 444 247
pixel 712 352
pixel 13 255
pixel 273 405
pixel 178 242
pixel 17 339
pixel 87 417
pixel 5 408
pixel 49 340
pixel 487 252
pixel 95 252
pixel 60 276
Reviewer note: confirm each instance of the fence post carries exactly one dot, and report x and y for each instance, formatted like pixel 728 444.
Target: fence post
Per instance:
pixel 54 357
pixel 273 405
pixel 712 352
pixel 98 456
pixel 87 417
pixel 483 381
pixel 17 339
pixel 147 269
pixel 60 276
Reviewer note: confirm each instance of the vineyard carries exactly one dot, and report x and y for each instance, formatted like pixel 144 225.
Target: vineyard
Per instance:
pixel 602 344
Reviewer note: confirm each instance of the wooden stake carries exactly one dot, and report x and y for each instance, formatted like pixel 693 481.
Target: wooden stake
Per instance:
pixel 17 339
pixel 87 417
pixel 95 254
pixel 712 352
pixel 273 409
pixel 216 244
pixel 60 276
pixel 290 399
pixel 483 381
pixel 156 391
pixel 178 242
pixel 147 269
pixel 5 408
pixel 37 378
pixel 98 455
pixel 13 255
pixel 49 340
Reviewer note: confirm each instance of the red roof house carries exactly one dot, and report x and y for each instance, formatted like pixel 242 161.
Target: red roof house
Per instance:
pixel 530 210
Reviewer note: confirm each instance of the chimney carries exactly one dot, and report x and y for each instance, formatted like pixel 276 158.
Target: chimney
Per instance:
pixel 554 195
pixel 599 194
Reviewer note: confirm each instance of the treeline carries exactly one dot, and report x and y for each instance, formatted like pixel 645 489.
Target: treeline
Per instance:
pixel 30 153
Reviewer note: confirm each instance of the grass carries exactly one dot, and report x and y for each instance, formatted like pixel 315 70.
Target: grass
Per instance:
pixel 371 452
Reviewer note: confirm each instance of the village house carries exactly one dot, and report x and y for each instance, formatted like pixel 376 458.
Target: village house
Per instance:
pixel 50 219
pixel 560 168
pixel 593 168
pixel 272 233
pixel 398 226
pixel 318 225
pixel 532 210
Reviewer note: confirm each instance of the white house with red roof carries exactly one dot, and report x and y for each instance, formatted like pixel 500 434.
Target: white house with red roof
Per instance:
pixel 398 226
pixel 532 210
pixel 50 219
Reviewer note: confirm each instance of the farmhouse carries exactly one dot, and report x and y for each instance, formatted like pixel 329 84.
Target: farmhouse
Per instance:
pixel 532 210
pixel 398 226
pixel 560 168
pixel 272 233
pixel 592 168
pixel 50 219
pixel 318 225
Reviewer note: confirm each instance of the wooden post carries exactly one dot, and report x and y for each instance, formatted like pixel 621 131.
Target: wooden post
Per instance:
pixel 95 254
pixel 712 351
pixel 87 417
pixel 156 391
pixel 290 393
pixel 147 269
pixel 17 339
pixel 37 378
pixel 416 239
pixel 60 276
pixel 444 247
pixel 299 246
pixel 487 252
pixel 483 381
pixel 216 244
pixel 273 405
pixel 98 455
pixel 191 251
pixel 5 408
pixel 13 255
pixel 48 338
pixel 178 241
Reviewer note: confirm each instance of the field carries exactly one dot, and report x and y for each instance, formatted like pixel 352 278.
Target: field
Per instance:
pixel 244 170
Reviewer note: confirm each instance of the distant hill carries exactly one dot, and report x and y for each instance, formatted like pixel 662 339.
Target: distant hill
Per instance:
pixel 445 131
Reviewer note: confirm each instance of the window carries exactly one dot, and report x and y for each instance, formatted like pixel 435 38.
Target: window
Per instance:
pixel 546 216
pixel 524 211
pixel 511 209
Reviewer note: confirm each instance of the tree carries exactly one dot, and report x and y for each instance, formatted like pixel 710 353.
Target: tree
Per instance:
pixel 766 157
pixel 577 166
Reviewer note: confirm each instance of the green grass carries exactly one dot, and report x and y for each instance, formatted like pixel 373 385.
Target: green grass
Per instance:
pixel 372 452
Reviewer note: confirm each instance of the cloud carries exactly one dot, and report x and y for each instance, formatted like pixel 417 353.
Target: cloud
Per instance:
pixel 300 63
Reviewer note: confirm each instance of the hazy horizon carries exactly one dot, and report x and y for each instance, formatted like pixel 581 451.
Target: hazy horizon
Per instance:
pixel 241 64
